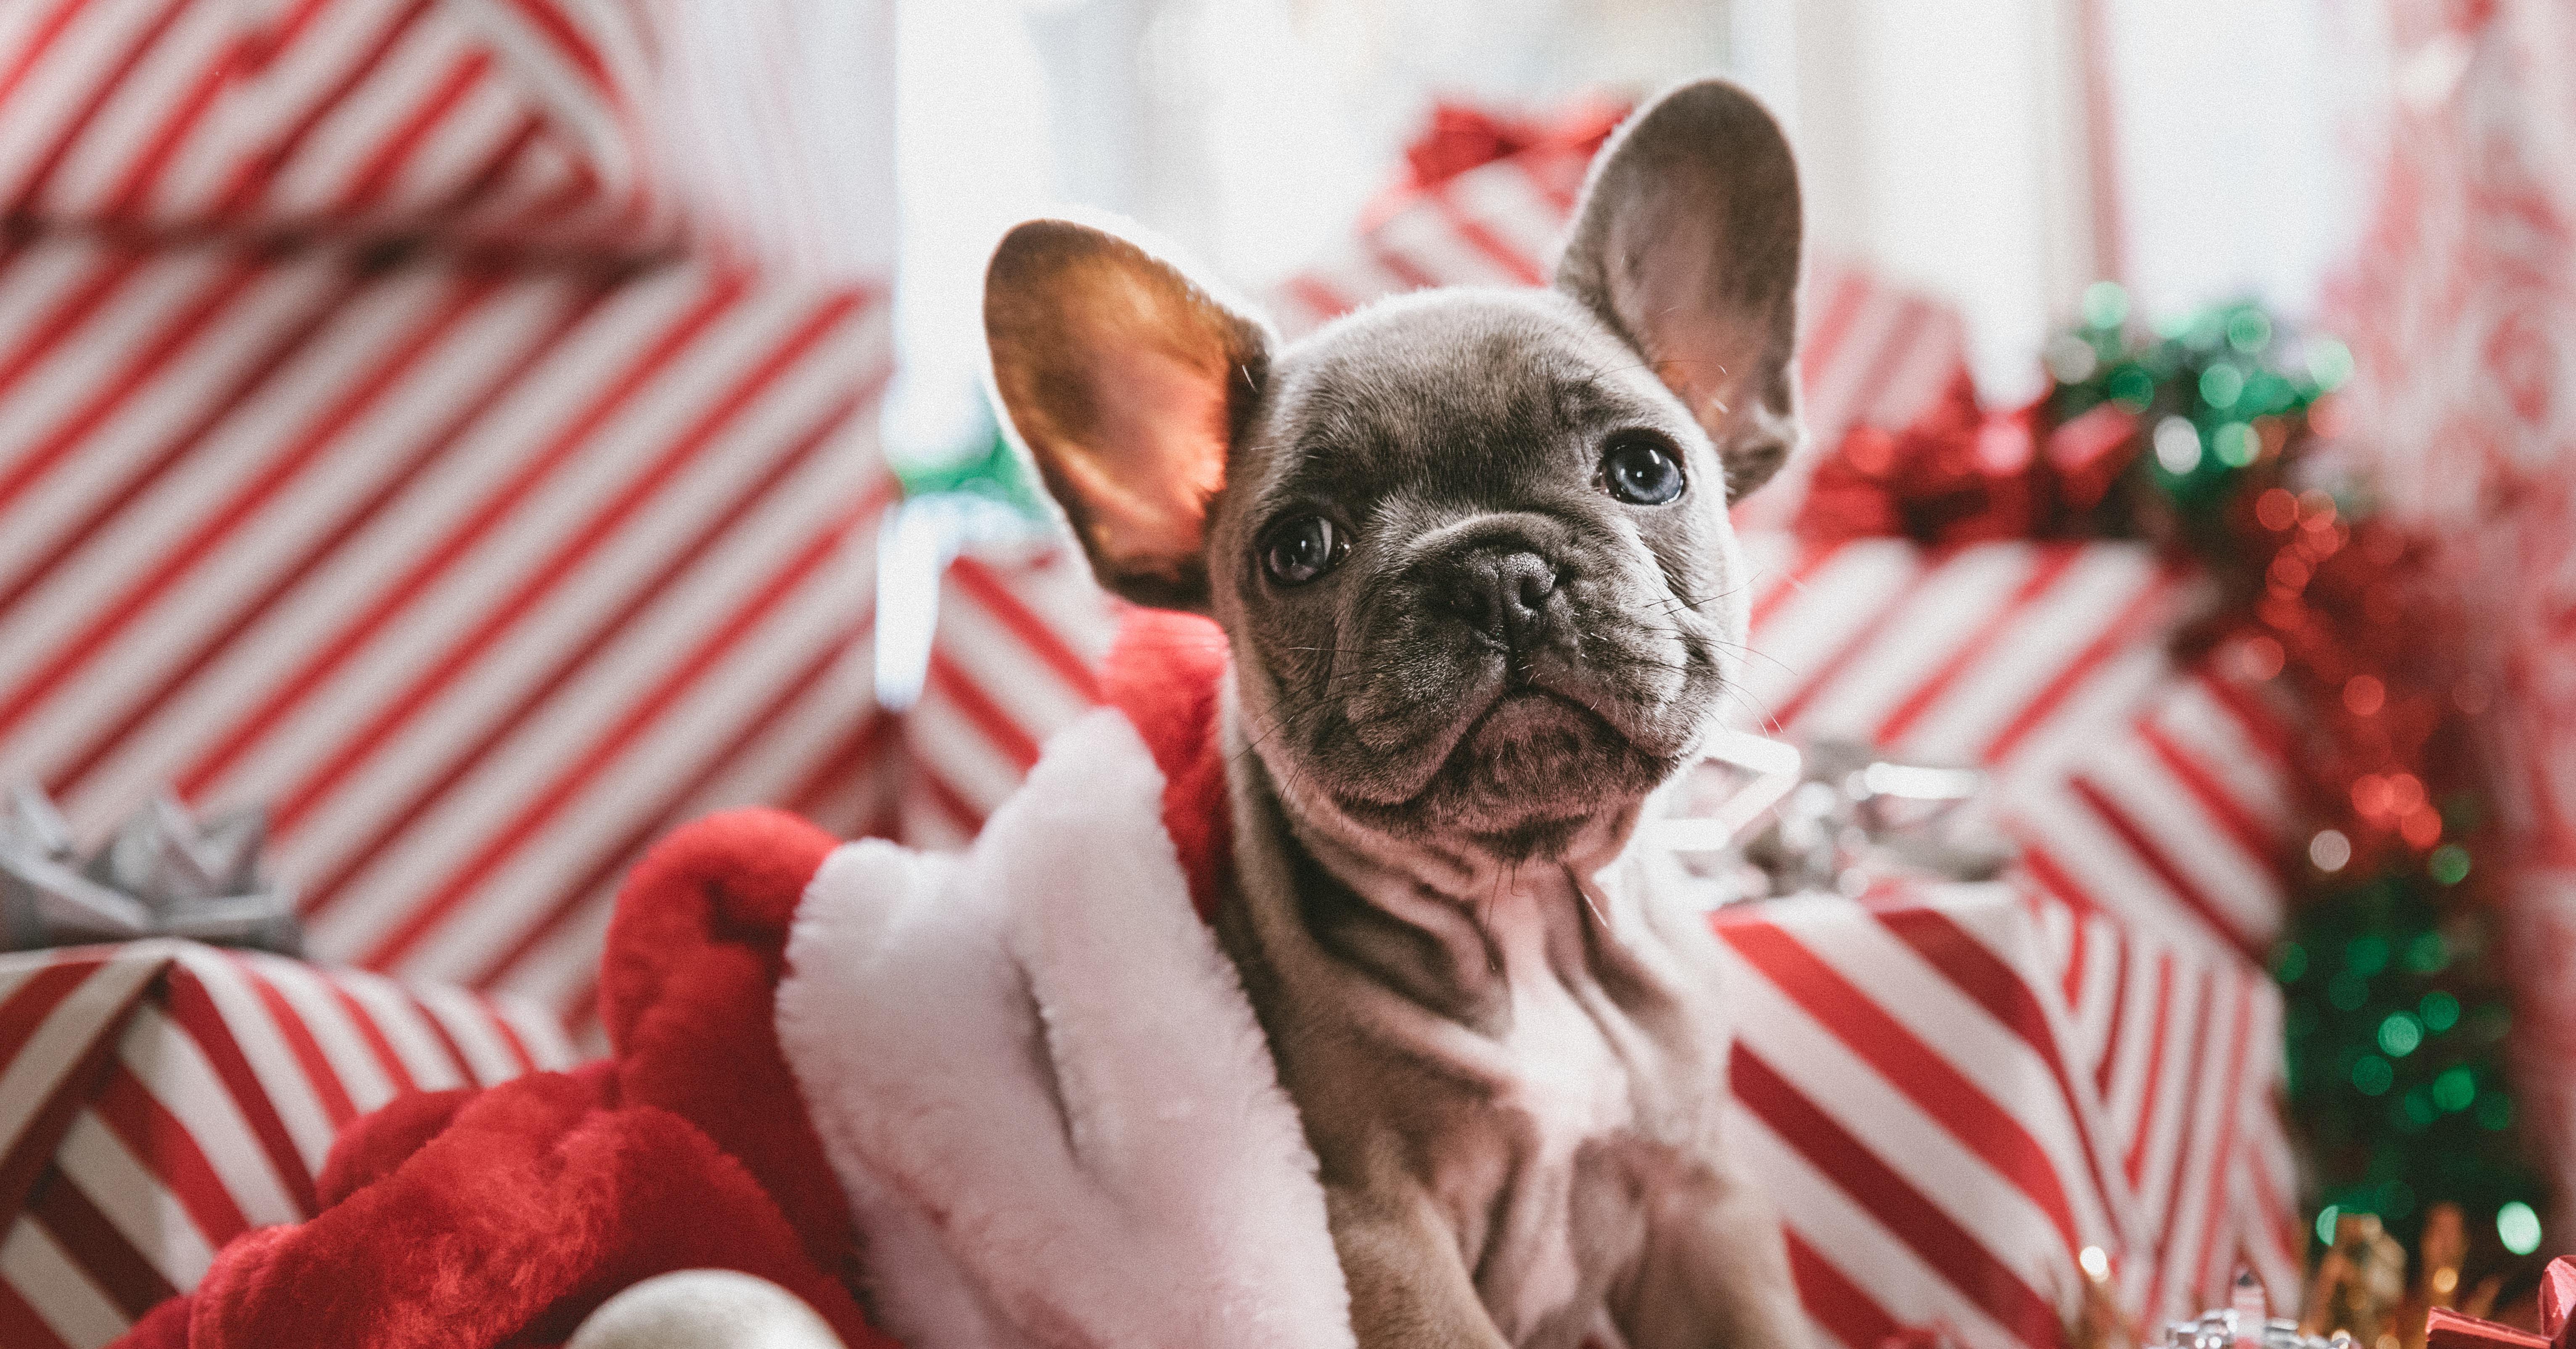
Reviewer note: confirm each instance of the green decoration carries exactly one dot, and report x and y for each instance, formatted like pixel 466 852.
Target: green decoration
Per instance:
pixel 2397 1010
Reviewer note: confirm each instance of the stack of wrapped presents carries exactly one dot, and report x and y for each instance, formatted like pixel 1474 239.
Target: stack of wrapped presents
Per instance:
pixel 388 442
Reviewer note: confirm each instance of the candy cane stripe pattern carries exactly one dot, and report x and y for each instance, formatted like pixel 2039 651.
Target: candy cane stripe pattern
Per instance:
pixel 505 122
pixel 479 579
pixel 163 1098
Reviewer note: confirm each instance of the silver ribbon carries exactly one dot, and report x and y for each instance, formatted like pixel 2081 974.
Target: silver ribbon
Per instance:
pixel 2218 1329
pixel 161 873
pixel 1859 817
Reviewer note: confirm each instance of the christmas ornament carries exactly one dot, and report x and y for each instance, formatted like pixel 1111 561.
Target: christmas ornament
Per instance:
pixel 160 874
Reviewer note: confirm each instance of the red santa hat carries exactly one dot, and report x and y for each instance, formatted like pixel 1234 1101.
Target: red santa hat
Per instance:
pixel 1012 1095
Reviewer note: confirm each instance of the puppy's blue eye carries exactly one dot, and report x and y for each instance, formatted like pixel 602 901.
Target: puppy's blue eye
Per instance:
pixel 1302 547
pixel 1640 468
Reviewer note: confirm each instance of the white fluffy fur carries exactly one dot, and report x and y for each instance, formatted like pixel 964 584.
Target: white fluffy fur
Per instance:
pixel 1044 1090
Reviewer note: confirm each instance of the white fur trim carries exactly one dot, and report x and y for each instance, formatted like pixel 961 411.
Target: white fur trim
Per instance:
pixel 1044 1090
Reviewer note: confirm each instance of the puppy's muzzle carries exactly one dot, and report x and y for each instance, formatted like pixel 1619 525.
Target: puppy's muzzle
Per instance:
pixel 1501 593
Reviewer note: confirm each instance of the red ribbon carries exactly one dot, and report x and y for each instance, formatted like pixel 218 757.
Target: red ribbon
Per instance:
pixel 1462 136
pixel 1961 474
pixel 2447 1329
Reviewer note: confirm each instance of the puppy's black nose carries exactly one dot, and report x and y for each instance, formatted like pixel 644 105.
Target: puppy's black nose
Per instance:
pixel 1503 594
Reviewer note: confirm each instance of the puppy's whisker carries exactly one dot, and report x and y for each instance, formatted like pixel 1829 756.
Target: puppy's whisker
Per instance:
pixel 1761 716
pixel 1753 652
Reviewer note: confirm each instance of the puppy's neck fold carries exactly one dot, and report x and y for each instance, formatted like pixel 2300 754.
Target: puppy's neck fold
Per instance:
pixel 1495 921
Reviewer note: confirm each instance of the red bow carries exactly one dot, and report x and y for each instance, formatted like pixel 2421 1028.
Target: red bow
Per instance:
pixel 1961 474
pixel 1462 136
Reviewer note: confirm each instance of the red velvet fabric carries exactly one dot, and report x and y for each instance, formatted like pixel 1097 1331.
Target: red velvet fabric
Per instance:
pixel 502 1217
pixel 1165 673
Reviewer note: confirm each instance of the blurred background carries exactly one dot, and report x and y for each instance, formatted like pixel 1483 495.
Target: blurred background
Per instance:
pixel 447 444
pixel 2000 154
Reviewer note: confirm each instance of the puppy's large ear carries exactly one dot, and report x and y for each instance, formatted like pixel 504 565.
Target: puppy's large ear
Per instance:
pixel 1127 381
pixel 1687 246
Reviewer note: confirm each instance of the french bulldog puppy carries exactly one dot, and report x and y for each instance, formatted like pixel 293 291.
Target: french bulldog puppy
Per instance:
pixel 1471 551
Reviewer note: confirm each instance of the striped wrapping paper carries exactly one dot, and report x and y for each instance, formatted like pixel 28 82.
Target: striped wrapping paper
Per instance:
pixel 507 122
pixel 1020 636
pixel 2155 793
pixel 2183 1048
pixel 161 1098
pixel 1870 353
pixel 1952 1090
pixel 480 579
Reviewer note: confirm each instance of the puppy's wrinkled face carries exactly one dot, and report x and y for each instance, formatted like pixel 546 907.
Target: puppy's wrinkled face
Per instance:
pixel 1475 560
pixel 1471 547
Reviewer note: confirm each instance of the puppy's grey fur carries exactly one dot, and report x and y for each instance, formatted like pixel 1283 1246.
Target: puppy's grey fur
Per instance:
pixel 1498 1024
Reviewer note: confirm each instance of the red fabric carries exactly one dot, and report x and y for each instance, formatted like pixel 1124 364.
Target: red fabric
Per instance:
pixel 687 986
pixel 502 1217
pixel 1165 673
pixel 378 1144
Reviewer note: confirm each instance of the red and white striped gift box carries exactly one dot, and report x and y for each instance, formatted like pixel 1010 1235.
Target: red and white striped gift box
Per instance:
pixel 2154 793
pixel 1021 634
pixel 1870 353
pixel 1945 1132
pixel 481 579
pixel 516 122
pixel 2182 1045
pixel 160 1098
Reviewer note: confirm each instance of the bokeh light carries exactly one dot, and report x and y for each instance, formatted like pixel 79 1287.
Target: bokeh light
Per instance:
pixel 2518 1227
pixel 2106 305
pixel 2221 385
pixel 2177 445
pixel 2440 1011
pixel 2276 508
pixel 2249 330
pixel 2329 361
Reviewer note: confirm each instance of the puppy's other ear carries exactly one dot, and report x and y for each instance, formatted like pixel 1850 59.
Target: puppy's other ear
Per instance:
pixel 1128 382
pixel 1687 246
